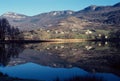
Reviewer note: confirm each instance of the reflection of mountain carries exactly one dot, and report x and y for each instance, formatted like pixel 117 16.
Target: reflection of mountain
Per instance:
pixel 38 72
pixel 9 51
pixel 5 77
pixel 100 58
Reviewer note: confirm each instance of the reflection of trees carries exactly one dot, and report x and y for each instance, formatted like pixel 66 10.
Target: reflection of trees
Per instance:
pixel 8 51
pixel 5 77
pixel 83 78
pixel 115 51
pixel 114 45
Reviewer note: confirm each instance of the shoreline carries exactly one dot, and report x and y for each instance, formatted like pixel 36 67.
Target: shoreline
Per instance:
pixel 58 40
pixel 44 40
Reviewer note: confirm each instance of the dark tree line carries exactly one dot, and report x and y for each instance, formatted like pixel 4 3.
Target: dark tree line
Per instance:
pixel 8 32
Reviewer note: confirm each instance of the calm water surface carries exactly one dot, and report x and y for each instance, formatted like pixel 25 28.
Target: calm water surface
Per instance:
pixel 98 61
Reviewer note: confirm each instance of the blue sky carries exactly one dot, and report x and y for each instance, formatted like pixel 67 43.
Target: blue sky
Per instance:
pixel 33 7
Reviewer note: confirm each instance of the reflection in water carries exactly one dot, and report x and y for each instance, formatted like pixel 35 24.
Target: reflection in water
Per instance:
pixel 99 58
pixel 8 51
pixel 39 72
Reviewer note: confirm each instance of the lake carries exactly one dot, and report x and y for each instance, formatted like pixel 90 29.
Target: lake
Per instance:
pixel 84 61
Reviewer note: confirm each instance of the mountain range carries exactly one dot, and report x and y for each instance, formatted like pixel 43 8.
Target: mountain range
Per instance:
pixel 90 17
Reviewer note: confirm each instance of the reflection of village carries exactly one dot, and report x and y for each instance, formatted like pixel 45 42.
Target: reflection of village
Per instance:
pixel 60 46
pixel 99 44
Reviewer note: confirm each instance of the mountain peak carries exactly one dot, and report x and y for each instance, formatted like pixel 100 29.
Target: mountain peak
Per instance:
pixel 13 15
pixel 117 5
pixel 66 12
pixel 91 8
pixel 9 13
